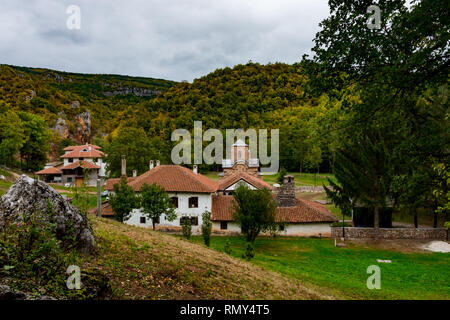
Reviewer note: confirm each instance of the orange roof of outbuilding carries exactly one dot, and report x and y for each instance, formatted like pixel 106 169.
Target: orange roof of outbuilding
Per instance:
pixel 303 212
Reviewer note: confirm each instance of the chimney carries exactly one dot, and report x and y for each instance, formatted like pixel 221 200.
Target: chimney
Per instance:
pixel 286 195
pixel 151 164
pixel 124 166
pixel 134 173
pixel 157 163
pixel 194 169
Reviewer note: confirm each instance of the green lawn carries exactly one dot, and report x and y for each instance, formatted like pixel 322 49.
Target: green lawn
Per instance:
pixel 342 271
pixel 63 188
pixel 301 179
pixel 304 179
pixel 4 186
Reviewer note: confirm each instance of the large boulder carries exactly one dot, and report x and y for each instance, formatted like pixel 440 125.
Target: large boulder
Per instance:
pixel 28 196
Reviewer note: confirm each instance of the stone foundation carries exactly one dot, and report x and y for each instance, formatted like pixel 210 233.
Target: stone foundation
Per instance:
pixel 391 233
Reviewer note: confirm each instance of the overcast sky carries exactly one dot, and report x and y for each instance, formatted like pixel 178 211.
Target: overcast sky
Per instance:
pixel 169 39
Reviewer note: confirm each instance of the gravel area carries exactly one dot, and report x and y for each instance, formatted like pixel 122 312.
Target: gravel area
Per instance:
pixel 437 246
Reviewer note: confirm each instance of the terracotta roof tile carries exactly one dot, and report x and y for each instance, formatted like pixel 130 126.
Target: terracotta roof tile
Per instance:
pixel 174 178
pixel 70 148
pixel 82 164
pixel 256 182
pixel 51 170
pixel 77 152
pixel 111 182
pixel 303 212
pixel 106 210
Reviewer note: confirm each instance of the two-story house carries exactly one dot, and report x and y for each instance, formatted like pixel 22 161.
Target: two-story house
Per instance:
pixel 80 164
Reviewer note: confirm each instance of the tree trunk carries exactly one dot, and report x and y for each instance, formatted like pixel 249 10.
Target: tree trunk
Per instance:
pixel 376 214
pixel 416 222
pixel 435 215
pixel 153 224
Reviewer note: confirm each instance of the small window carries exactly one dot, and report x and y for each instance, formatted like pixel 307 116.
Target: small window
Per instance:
pixel 81 159
pixel 143 220
pixel 69 179
pixel 193 202
pixel 194 220
pixel 156 220
pixel 70 160
pixel 281 227
pixel 223 225
pixel 175 201
pixel 182 220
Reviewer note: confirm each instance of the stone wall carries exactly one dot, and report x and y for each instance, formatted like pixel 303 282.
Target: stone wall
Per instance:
pixel 390 233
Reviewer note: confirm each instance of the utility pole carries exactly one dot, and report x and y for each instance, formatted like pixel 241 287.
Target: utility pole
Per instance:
pixel 99 199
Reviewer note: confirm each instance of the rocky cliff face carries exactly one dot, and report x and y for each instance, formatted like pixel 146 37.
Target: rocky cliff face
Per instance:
pixel 28 196
pixel 139 92
pixel 81 125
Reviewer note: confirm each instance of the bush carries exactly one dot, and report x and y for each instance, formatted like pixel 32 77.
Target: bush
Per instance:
pixel 187 229
pixel 33 257
pixel 227 248
pixel 339 224
pixel 206 227
pixel 281 175
pixel 249 252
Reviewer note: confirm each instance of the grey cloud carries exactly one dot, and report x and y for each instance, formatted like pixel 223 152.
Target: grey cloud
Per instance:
pixel 176 39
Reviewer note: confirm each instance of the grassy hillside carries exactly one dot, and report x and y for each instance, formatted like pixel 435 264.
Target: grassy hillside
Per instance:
pixel 143 264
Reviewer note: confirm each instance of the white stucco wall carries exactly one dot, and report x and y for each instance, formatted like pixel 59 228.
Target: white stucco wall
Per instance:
pixel 238 183
pixel 183 210
pixel 294 229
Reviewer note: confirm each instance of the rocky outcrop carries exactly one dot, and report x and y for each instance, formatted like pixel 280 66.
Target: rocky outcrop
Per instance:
pixel 83 127
pixel 139 92
pixel 61 128
pixel 28 196
pixel 31 95
pixel 6 293
pixel 75 104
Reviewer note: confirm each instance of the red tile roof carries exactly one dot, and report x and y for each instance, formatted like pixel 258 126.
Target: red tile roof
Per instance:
pixel 77 152
pixel 303 212
pixel 111 182
pixel 51 170
pixel 175 178
pixel 82 164
pixel 256 182
pixel 172 178
pixel 222 208
pixel 70 148
pixel 106 210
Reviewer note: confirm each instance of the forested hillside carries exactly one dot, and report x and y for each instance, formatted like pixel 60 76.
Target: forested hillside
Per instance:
pixel 273 96
pixel 95 108
pixel 69 100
